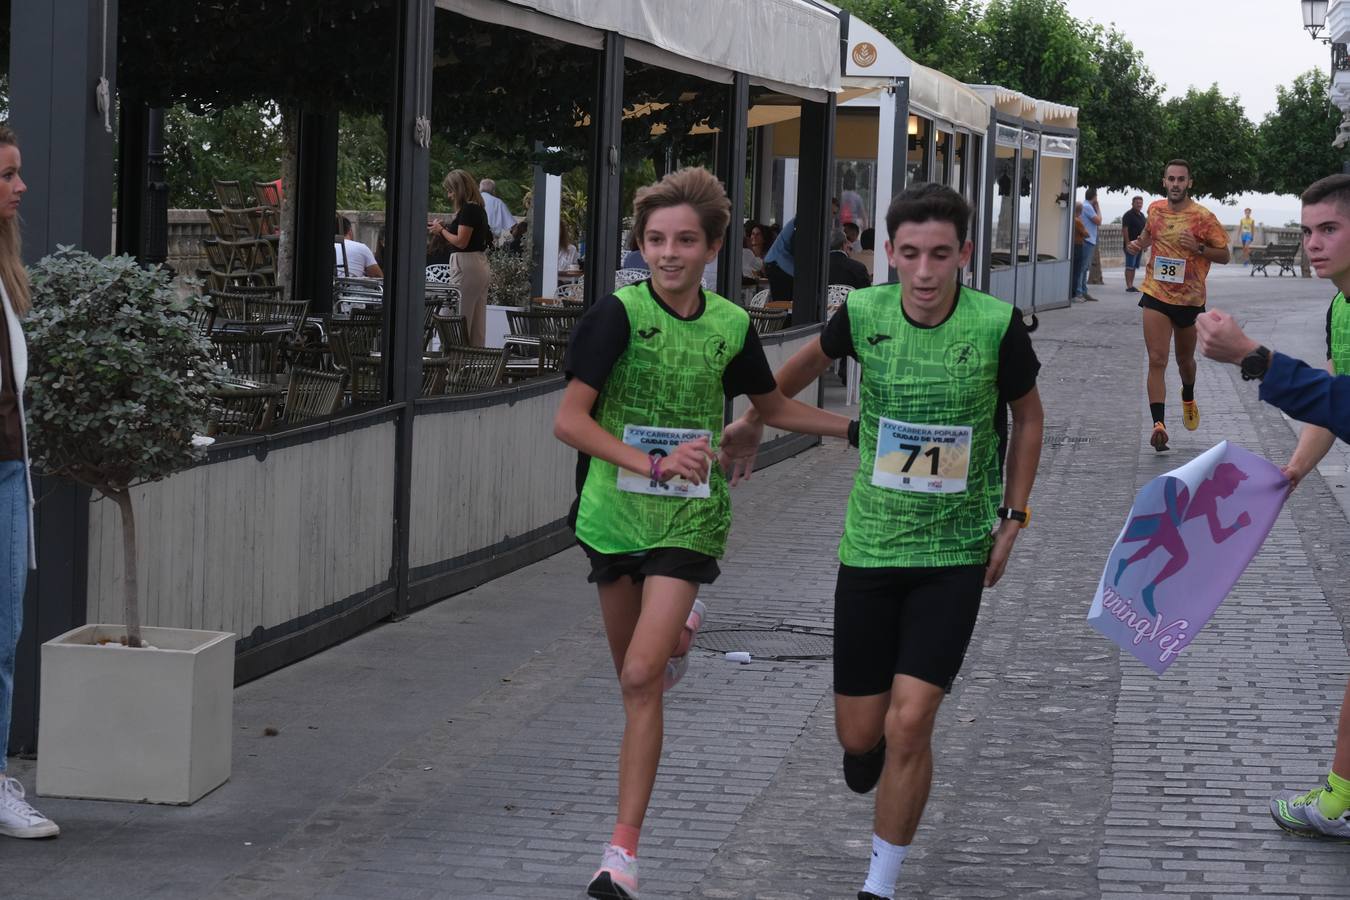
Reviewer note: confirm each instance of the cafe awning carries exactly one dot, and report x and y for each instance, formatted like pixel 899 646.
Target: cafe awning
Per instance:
pixel 786 45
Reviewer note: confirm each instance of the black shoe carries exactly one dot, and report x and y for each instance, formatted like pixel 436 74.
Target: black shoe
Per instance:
pixel 1132 290
pixel 863 771
pixel 868 895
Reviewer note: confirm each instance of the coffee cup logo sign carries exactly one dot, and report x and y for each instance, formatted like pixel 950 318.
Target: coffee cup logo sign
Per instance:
pixel 864 54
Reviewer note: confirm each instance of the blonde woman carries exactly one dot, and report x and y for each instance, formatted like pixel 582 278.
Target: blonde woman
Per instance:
pixel 17 818
pixel 467 236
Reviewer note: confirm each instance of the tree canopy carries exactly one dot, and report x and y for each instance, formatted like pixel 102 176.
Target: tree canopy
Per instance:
pixel 1294 145
pixel 1213 134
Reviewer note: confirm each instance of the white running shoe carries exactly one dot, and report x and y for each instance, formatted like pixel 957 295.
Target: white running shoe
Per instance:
pixel 617 877
pixel 17 818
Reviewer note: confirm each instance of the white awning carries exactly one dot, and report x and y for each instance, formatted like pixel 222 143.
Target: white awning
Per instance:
pixel 787 45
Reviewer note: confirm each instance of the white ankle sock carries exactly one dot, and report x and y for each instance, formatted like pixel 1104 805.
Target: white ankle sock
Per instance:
pixel 884 871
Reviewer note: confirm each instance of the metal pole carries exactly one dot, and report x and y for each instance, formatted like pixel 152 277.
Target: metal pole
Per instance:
pixel 603 217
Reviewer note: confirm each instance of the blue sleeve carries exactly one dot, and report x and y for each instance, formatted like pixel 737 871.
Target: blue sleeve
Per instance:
pixel 1310 395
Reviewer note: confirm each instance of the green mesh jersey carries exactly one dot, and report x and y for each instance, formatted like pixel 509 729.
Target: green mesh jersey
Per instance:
pixel 670 376
pixel 1338 335
pixel 941 376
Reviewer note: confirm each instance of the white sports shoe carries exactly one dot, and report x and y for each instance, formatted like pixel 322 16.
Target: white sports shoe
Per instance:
pixel 17 818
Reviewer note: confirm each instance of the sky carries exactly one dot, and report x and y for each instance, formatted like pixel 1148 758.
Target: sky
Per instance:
pixel 1247 46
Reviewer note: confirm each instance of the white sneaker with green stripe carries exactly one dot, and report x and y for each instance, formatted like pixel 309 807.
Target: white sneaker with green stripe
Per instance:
pixel 1302 814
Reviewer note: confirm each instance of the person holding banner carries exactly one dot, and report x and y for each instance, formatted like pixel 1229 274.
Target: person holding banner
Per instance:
pixel 1186 238
pixel 940 364
pixel 649 370
pixel 1322 399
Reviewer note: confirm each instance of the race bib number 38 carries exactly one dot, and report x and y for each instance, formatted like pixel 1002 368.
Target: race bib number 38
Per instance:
pixel 927 459
pixel 661 442
pixel 1166 268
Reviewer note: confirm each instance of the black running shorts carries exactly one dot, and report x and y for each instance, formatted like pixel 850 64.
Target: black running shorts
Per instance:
pixel 674 562
pixel 910 621
pixel 1181 316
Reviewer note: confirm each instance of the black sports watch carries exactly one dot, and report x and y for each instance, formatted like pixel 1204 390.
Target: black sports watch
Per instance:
pixel 1021 516
pixel 1255 364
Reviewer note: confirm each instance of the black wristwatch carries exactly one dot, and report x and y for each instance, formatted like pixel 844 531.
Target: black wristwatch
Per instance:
pixel 1021 516
pixel 853 427
pixel 1255 364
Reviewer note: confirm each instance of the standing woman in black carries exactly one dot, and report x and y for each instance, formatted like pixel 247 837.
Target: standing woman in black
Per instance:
pixel 468 237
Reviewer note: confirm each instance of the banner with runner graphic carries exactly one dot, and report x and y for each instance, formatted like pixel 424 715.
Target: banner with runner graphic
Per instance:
pixel 1188 539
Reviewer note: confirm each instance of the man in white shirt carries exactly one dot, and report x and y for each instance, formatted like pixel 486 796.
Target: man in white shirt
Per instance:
pixel 498 216
pixel 353 258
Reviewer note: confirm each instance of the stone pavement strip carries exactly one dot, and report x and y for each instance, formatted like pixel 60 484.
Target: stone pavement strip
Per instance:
pixel 469 751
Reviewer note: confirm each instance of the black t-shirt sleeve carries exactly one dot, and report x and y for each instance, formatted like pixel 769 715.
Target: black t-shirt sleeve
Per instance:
pixel 837 338
pixel 597 342
pixel 749 372
pixel 1017 362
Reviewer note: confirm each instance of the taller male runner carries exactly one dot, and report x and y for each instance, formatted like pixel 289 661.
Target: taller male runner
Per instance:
pixel 939 363
pixel 1186 238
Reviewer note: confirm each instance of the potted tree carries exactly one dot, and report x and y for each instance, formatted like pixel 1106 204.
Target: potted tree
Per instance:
pixel 120 383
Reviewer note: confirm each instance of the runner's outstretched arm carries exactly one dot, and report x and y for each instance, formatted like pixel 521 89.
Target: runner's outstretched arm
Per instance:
pixel 574 426
pixel 740 439
pixel 779 411
pixel 1024 455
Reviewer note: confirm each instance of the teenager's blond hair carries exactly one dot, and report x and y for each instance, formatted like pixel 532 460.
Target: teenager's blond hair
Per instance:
pixel 696 187
pixel 461 184
pixel 12 272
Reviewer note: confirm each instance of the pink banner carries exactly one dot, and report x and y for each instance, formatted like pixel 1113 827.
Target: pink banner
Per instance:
pixel 1189 537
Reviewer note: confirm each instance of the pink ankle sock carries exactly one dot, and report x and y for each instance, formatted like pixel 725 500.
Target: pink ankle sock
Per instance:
pixel 626 837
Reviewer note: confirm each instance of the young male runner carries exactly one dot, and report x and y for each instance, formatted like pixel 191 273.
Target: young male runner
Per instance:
pixel 1185 238
pixel 1326 241
pixel 1246 231
pixel 650 368
pixel 939 363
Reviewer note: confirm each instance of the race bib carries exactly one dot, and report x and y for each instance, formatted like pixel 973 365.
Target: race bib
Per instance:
pixel 1173 271
pixel 661 442
pixel 925 459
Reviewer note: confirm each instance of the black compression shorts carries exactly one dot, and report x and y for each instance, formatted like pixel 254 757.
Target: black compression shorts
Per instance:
pixel 675 562
pixel 910 621
pixel 1181 316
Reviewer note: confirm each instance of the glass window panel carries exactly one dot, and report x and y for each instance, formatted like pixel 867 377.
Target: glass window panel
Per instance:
pixel 941 153
pixel 916 168
pixel 856 183
pixel 1026 193
pixel 1005 174
pixel 1054 209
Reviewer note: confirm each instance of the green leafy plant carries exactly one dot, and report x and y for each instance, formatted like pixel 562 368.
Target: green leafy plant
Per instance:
pixel 510 284
pixel 119 382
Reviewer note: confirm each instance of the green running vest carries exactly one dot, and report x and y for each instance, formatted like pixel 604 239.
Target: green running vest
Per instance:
pixel 670 376
pixel 947 375
pixel 1340 335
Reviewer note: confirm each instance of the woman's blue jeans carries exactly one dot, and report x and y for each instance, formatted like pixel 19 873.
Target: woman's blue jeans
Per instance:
pixel 13 577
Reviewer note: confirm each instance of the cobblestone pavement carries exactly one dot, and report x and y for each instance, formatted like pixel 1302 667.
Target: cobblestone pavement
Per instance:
pixel 469 751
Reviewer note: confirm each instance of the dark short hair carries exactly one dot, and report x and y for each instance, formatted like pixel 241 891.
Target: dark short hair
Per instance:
pixel 1332 189
pixel 868 238
pixel 1177 162
pixel 854 225
pixel 344 224
pixel 929 203
pixel 1090 194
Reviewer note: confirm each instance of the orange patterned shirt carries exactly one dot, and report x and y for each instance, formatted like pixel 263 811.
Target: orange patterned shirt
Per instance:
pixel 1175 276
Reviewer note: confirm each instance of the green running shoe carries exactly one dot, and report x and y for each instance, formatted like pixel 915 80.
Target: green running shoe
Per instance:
pixel 1299 814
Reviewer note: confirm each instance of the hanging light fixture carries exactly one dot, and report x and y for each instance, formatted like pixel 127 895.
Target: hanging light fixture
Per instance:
pixel 913 124
pixel 1315 16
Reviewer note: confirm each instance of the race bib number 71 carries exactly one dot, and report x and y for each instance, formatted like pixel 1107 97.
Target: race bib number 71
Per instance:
pixel 927 459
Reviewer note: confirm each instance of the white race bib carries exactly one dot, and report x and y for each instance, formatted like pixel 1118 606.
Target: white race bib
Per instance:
pixel 1166 268
pixel 661 442
pixel 926 459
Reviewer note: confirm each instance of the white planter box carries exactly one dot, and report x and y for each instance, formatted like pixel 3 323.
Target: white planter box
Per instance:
pixel 149 726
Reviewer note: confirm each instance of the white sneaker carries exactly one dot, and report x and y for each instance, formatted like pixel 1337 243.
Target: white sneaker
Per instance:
pixel 17 818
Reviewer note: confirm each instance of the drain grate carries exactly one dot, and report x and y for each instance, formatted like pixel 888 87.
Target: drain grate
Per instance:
pixel 767 643
pixel 1061 440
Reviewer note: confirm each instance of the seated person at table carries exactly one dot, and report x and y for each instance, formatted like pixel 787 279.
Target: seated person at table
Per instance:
pixel 842 269
pixel 569 258
pixel 353 258
pixel 633 258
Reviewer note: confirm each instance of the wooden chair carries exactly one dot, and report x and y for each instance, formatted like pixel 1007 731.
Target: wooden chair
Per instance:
pixel 230 194
pixel 254 357
pixel 471 369
pixel 239 410
pixel 354 345
pixel 312 394
pixel 551 352
pixel 435 373
pixel 768 321
pixel 452 330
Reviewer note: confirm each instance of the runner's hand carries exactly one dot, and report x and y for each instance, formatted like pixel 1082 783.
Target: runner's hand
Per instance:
pixel 740 445
pixel 1294 474
pixel 998 556
pixel 690 461
pixel 1188 243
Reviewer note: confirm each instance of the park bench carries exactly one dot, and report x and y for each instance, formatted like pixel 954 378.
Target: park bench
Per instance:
pixel 1281 255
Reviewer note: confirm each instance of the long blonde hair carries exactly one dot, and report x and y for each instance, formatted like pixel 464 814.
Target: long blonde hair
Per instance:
pixel 12 272
pixel 461 184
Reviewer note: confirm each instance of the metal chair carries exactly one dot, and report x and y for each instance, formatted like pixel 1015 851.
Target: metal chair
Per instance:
pixel 452 330
pixel 574 292
pixel 356 349
pixel 552 349
pixel 249 355
pixel 473 368
pixel 241 410
pixel 439 273
pixel 625 277
pixel 758 301
pixel 435 373
pixel 835 295
pixel 312 394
